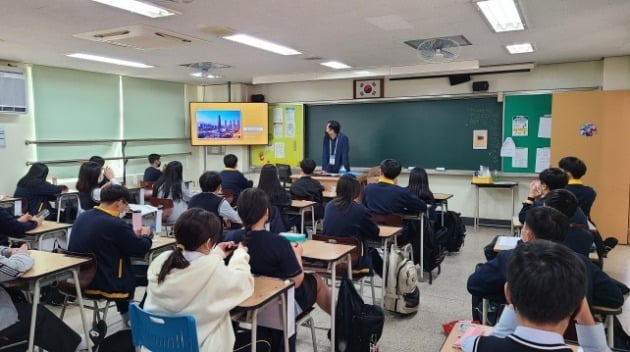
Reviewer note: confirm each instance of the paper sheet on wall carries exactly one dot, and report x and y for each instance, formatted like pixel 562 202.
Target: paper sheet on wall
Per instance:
pixel 3 140
pixel 277 131
pixel 279 150
pixel 277 115
pixel 519 160
pixel 543 159
pixel 508 148
pixel 290 122
pixel 520 126
pixel 544 127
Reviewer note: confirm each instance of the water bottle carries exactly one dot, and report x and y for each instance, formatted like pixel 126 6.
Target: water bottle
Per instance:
pixel 136 220
pixel 342 170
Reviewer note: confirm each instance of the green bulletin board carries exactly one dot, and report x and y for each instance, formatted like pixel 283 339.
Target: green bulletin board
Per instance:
pixel 517 108
pixel 286 137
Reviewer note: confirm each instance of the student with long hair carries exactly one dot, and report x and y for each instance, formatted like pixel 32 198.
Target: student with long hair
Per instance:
pixel 37 191
pixel 212 288
pixel 89 186
pixel 419 185
pixel 273 255
pixel 171 186
pixel 344 217
pixel 278 196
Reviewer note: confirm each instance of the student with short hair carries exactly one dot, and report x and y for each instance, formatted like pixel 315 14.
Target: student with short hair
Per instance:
pixel 385 197
pixel 233 179
pixel 10 226
pixel 37 191
pixel 171 186
pixel 575 169
pixel 550 224
pixel 211 199
pixel 335 149
pixel 548 180
pixel 579 239
pixel 89 186
pixel 345 217
pixel 307 187
pixel 52 334
pixel 153 172
pixel 212 288
pixel 545 288
pixel 102 231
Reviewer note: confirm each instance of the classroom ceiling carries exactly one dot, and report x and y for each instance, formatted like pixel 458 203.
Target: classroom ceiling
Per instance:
pixel 360 33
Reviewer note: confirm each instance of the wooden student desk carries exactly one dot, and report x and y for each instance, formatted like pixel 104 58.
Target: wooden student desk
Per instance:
pixel 441 200
pixel 329 253
pixel 266 291
pixel 388 237
pixel 50 267
pixel 328 182
pixel 16 203
pixel 48 229
pixel 303 206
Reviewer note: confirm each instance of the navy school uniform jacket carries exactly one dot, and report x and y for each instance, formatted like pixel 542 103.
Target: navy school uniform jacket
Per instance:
pixel 489 278
pixel 38 196
pixel 355 222
pixel 341 148
pixel 577 218
pixel 579 239
pixel 585 195
pixel 234 180
pixel 151 174
pixel 387 198
pixel 9 226
pixel 113 242
pixel 307 187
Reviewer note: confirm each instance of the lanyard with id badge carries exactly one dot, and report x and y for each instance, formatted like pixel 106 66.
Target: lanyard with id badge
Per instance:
pixel 331 158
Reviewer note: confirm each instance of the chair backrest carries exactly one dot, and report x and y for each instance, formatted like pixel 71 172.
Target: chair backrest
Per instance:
pixel 87 271
pixel 147 185
pixel 356 253
pixel 166 204
pixel 163 333
pixel 284 173
pixel 388 219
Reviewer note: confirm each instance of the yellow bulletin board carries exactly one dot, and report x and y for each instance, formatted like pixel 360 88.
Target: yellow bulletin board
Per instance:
pixel 286 137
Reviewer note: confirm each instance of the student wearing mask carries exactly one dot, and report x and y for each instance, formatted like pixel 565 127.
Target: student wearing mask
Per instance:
pixel 153 173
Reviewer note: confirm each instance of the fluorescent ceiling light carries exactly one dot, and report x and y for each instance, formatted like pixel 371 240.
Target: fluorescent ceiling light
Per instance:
pixel 335 64
pixel 139 7
pixel 262 44
pixel 109 60
pixel 502 15
pixel 520 48
pixel 204 75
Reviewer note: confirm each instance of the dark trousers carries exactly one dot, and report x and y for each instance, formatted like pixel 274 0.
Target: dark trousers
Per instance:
pixel 51 333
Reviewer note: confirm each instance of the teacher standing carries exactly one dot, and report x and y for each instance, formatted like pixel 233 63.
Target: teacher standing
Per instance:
pixel 335 149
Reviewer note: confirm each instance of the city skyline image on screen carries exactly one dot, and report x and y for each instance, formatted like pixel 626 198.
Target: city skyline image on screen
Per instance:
pixel 218 124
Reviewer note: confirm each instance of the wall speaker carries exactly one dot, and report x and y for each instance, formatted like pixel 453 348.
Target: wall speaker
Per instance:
pixel 257 98
pixel 457 79
pixel 480 86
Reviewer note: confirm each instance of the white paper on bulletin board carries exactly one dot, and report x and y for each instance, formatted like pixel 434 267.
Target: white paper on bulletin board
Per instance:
pixel 520 158
pixel 544 127
pixel 543 159
pixel 279 150
pixel 290 122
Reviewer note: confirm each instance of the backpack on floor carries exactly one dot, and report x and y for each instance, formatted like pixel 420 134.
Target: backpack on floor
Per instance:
pixel 401 288
pixel 357 325
pixel 455 230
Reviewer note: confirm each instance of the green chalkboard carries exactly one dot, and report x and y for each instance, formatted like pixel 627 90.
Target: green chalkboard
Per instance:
pixel 530 107
pixel 425 133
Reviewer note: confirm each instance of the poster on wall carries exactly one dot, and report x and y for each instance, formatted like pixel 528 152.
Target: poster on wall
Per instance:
pixel 520 126
pixel 286 139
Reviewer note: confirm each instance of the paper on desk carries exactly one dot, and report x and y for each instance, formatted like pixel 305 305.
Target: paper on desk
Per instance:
pixel 270 316
pixel 543 159
pixel 544 127
pixel 507 241
pixel 508 148
pixel 143 209
pixel 519 160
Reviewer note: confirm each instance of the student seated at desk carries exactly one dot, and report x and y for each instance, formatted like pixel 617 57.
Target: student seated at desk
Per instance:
pixel 211 199
pixel 546 289
pixel 89 184
pixel 307 187
pixel 274 256
pixel 152 173
pixel 212 288
pixel 107 174
pixel 101 231
pixel 548 224
pixel 10 226
pixel 37 191
pixel 171 186
pixel 51 333
pixel 278 196
pixel 579 239
pixel 233 179
pixel 419 185
pixel 344 217
pixel 386 197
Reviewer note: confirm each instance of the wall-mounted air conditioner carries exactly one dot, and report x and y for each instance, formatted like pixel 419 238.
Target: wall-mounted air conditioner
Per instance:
pixel 12 90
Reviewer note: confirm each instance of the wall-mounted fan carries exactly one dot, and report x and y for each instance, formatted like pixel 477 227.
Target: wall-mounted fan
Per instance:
pixel 204 71
pixel 438 50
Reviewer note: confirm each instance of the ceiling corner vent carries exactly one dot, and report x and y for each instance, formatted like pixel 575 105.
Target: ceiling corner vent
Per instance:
pixel 140 37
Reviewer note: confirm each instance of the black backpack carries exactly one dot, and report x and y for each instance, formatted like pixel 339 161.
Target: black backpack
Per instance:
pixel 357 324
pixel 453 239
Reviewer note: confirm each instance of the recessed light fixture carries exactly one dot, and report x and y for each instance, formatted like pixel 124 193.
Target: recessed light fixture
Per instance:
pixel 502 15
pixel 262 44
pixel 520 48
pixel 109 60
pixel 139 7
pixel 335 64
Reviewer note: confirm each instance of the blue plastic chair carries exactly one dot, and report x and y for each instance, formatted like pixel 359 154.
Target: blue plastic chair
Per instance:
pixel 163 333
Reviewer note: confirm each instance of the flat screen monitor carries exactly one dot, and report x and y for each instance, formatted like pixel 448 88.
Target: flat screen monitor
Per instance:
pixel 229 123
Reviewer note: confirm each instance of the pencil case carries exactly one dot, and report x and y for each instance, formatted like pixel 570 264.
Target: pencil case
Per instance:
pixel 293 237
